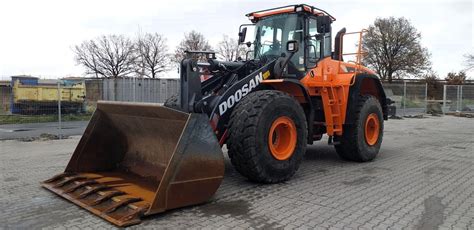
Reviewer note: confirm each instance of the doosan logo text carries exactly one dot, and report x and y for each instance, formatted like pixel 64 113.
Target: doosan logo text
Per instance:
pixel 239 94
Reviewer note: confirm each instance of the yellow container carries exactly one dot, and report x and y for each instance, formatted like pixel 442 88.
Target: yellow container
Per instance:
pixel 48 93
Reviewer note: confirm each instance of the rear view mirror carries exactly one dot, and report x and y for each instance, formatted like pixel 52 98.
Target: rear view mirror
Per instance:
pixel 292 46
pixel 242 35
pixel 323 24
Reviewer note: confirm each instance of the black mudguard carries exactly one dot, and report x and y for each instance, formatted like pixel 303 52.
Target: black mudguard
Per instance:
pixel 220 114
pixel 309 108
pixel 357 89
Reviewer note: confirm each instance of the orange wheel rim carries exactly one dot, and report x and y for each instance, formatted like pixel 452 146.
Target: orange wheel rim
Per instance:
pixel 372 129
pixel 282 138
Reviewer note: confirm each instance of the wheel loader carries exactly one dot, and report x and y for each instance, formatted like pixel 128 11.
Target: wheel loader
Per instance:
pixel 138 159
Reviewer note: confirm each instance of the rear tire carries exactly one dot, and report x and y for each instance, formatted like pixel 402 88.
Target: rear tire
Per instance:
pixel 249 148
pixel 361 140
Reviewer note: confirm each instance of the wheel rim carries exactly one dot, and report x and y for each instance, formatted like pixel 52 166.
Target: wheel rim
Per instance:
pixel 282 138
pixel 372 129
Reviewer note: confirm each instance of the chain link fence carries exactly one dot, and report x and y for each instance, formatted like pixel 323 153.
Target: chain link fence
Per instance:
pixel 410 98
pixel 28 104
pixel 63 107
pixel 5 96
pixel 458 98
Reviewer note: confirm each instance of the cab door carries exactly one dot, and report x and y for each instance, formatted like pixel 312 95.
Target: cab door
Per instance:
pixel 318 45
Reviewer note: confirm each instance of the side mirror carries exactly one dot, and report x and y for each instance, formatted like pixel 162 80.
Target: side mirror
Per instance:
pixel 323 24
pixel 292 46
pixel 242 35
pixel 279 69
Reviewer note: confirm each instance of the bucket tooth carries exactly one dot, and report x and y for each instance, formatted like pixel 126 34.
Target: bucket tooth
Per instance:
pixel 57 177
pixel 121 203
pixel 107 195
pixel 69 180
pixel 138 159
pixel 80 185
pixel 136 214
pixel 92 190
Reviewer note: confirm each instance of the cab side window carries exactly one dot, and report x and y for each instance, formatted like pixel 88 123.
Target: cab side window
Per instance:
pixel 313 47
pixel 271 40
pixel 296 64
pixel 327 45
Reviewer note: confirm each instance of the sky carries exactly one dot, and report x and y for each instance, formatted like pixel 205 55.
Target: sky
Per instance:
pixel 36 37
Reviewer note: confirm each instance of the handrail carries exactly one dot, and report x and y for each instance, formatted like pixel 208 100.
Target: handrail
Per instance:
pixel 359 54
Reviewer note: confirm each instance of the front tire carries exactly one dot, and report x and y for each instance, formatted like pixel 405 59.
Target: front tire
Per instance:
pixel 361 140
pixel 267 136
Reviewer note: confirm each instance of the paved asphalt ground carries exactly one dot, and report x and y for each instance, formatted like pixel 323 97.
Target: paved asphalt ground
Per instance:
pixel 34 130
pixel 423 178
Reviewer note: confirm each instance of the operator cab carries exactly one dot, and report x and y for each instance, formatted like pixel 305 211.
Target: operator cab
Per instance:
pixel 310 27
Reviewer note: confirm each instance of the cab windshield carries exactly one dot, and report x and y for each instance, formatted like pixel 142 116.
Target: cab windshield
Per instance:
pixel 272 34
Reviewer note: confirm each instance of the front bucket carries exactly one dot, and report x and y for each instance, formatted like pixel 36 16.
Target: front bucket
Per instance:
pixel 137 159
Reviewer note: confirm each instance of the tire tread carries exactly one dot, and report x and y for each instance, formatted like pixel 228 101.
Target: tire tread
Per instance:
pixel 243 128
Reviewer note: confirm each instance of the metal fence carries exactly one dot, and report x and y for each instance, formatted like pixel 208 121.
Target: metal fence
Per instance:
pixel 458 98
pixel 139 89
pixel 129 89
pixel 410 98
pixel 60 103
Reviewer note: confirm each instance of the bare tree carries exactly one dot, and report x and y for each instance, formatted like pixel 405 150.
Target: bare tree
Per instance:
pixel 228 47
pixel 110 56
pixel 469 61
pixel 192 41
pixel 394 48
pixel 152 56
pixel 85 56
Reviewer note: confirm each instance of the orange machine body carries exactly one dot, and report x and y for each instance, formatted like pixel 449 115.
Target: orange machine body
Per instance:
pixel 330 79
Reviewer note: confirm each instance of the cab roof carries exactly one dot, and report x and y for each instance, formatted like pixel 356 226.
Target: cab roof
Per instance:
pixel 301 8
